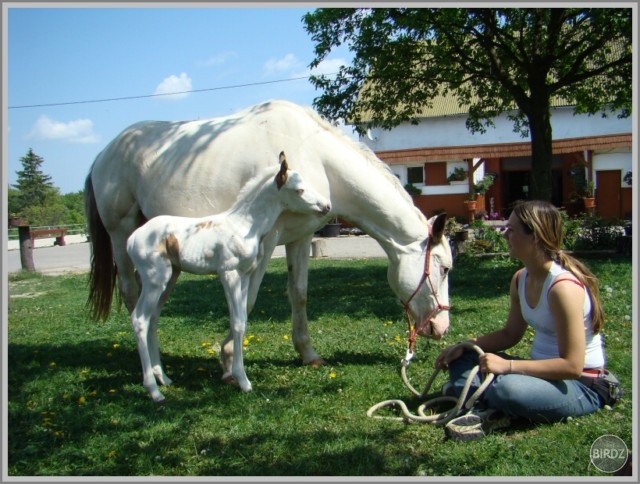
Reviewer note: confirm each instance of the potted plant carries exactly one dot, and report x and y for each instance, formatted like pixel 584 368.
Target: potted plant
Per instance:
pixel 589 200
pixel 482 186
pixel 479 188
pixel 458 174
pixel 332 228
pixel 472 202
pixel 413 190
pixel 455 230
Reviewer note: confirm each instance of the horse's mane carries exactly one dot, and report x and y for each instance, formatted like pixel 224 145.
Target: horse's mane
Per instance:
pixel 375 162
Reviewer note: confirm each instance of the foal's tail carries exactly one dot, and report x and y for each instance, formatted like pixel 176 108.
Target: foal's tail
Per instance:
pixel 103 273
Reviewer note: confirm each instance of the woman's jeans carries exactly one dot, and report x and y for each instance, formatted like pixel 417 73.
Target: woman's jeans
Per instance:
pixel 525 396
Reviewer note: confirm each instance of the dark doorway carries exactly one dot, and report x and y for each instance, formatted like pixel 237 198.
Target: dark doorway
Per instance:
pixel 608 194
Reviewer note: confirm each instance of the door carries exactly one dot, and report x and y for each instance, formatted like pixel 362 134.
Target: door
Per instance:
pixel 608 193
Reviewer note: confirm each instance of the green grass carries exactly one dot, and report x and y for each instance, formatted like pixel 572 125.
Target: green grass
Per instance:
pixel 76 405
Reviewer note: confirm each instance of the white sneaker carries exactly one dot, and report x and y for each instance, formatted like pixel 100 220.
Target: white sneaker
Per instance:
pixel 476 424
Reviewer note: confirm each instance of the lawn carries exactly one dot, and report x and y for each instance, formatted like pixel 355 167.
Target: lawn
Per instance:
pixel 76 405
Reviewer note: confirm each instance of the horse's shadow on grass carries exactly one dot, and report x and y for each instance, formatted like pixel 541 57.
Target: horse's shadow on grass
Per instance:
pixel 344 290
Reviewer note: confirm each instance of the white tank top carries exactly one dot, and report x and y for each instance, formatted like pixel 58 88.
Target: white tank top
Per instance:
pixel 545 340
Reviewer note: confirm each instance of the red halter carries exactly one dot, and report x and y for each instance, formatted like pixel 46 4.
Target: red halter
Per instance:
pixel 413 330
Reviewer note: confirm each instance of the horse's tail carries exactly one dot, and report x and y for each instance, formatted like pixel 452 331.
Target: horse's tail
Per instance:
pixel 103 273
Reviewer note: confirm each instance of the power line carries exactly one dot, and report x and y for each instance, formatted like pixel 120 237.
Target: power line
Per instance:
pixel 128 98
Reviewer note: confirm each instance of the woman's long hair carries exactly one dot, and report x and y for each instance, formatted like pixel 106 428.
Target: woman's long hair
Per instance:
pixel 544 220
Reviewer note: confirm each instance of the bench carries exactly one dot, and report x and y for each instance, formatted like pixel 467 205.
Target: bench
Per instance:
pixel 57 232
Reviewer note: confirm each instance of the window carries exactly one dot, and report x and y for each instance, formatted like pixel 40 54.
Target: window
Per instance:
pixel 415 175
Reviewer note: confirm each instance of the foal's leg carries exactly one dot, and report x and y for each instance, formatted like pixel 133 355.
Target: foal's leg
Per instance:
pixel 154 273
pixel 233 284
pixel 152 337
pixel 298 265
pixel 226 353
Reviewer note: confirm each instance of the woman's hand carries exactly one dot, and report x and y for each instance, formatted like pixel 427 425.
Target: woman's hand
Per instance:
pixel 492 363
pixel 447 355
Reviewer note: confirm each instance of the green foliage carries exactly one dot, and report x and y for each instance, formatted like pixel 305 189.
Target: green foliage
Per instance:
pixel 458 174
pixel 487 239
pixel 412 189
pixel 34 187
pixel 482 186
pixel 492 60
pixel 76 406
pixel 587 232
pixel 36 199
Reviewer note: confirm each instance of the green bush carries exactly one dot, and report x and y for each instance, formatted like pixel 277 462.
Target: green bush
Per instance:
pixel 587 232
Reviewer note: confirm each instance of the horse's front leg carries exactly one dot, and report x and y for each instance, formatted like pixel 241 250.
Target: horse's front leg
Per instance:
pixel 298 266
pixel 267 246
pixel 233 284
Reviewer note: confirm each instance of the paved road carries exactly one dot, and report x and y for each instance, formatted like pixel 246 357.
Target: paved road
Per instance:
pixel 74 257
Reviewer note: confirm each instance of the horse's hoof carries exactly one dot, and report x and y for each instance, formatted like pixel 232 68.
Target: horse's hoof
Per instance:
pixel 317 363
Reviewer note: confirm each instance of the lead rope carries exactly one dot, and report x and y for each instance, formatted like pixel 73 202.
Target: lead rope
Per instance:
pixel 436 418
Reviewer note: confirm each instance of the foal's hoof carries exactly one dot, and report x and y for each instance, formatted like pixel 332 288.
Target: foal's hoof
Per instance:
pixel 228 378
pixel 158 397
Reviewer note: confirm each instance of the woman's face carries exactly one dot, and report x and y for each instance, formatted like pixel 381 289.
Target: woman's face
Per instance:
pixel 521 244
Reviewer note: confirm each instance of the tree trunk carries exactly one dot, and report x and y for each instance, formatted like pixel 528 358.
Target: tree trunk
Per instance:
pixel 26 252
pixel 541 147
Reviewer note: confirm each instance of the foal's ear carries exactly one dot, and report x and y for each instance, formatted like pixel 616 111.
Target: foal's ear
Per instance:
pixel 281 177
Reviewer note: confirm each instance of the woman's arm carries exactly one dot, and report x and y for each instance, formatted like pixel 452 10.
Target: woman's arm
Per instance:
pixel 565 302
pixel 506 337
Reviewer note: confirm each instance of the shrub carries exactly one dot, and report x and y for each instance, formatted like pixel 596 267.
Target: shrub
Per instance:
pixel 591 233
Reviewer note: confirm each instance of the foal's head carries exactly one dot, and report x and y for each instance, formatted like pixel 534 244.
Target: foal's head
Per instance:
pixel 296 194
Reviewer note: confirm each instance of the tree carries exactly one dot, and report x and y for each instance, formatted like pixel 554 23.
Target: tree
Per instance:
pixel 34 186
pixel 493 60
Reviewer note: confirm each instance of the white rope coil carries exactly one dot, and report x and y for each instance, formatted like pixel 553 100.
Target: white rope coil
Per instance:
pixel 437 418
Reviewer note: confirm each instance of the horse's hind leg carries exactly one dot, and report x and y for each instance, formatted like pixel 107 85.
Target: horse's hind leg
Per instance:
pixel 298 265
pixel 127 282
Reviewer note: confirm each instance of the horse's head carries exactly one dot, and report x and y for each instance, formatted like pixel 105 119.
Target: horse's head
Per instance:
pixel 423 278
pixel 296 194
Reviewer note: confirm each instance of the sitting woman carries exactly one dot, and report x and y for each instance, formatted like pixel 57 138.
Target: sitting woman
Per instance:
pixel 558 297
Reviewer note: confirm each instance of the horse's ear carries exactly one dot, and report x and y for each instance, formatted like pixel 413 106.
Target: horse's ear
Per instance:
pixel 437 227
pixel 281 177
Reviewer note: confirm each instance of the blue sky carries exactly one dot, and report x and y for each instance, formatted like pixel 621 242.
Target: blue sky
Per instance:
pixel 71 55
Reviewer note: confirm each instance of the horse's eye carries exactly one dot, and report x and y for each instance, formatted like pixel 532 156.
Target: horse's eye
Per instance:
pixel 445 271
pixel 299 191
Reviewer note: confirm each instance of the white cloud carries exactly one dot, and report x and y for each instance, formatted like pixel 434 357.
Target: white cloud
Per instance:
pixel 285 63
pixel 77 131
pixel 218 59
pixel 329 66
pixel 326 67
pixel 174 84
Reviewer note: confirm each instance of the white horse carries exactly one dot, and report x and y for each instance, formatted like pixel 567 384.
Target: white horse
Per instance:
pixel 227 243
pixel 196 168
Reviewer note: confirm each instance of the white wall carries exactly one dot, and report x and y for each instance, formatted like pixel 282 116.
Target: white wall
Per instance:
pixel 613 161
pixel 451 131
